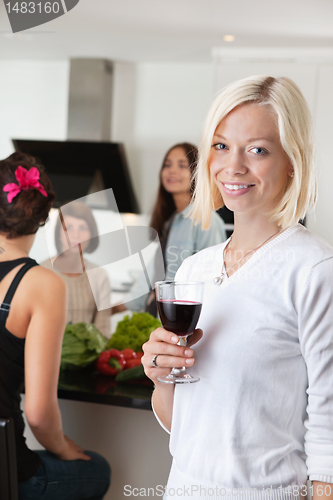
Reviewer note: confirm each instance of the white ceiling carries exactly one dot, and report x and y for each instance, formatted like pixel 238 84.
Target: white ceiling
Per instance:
pixel 170 30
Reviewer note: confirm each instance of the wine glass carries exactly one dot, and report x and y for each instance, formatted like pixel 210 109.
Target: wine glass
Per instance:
pixel 179 305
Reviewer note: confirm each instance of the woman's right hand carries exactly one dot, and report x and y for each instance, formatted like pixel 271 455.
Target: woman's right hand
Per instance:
pixel 72 451
pixel 170 355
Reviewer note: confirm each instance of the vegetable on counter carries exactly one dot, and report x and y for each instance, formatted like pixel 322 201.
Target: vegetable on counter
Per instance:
pixel 110 362
pixel 131 374
pixel 131 363
pixel 132 358
pixel 132 332
pixel 129 354
pixel 81 346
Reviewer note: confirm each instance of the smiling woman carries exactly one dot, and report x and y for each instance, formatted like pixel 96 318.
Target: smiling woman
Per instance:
pixel 176 175
pixel 261 415
pixel 176 184
pixel 282 105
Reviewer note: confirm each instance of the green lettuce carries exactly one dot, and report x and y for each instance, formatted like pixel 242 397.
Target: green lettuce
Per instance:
pixel 82 344
pixel 132 332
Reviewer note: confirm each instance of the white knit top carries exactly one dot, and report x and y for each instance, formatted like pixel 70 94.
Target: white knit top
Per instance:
pixel 262 413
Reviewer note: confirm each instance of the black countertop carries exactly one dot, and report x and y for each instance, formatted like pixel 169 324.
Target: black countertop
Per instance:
pixel 90 386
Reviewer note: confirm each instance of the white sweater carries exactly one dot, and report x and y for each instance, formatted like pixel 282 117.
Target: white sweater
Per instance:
pixel 262 413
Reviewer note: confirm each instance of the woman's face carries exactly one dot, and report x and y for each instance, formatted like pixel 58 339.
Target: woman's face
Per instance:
pixel 247 161
pixel 77 231
pixel 175 174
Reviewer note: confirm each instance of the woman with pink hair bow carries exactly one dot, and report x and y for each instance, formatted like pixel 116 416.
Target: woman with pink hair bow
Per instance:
pixel 32 323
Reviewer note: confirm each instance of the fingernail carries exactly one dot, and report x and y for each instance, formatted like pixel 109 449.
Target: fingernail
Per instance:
pixel 174 338
pixel 188 352
pixel 190 361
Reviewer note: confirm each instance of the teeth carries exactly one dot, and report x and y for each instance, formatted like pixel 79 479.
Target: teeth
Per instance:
pixel 236 187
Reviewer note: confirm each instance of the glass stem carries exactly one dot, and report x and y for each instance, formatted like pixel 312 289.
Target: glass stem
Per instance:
pixel 178 371
pixel 183 340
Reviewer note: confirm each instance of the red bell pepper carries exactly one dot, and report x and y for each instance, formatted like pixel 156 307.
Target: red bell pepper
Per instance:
pixel 128 354
pixel 131 363
pixel 110 362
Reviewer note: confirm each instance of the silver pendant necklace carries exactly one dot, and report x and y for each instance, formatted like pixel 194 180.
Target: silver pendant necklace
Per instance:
pixel 224 272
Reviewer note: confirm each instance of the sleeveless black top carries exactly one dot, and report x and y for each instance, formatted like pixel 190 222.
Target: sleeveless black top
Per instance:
pixel 12 372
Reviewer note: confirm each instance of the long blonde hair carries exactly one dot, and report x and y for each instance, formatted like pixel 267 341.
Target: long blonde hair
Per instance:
pixel 296 136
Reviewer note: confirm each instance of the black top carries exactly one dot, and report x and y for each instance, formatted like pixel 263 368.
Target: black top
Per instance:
pixel 12 372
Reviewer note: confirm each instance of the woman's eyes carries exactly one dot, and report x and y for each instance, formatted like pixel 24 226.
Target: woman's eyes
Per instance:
pixel 180 165
pixel 218 146
pixel 259 151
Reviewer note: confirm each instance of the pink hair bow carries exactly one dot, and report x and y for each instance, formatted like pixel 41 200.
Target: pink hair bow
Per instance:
pixel 27 179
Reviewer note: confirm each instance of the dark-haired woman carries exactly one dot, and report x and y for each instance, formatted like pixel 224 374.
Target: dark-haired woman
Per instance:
pixel 179 237
pixel 88 296
pixel 32 322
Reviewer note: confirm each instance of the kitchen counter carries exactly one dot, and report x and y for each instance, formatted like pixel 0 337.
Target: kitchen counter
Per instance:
pixel 87 385
pixel 130 439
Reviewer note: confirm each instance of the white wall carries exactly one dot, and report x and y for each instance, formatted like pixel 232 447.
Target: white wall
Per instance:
pixel 33 101
pixel 321 221
pixel 169 103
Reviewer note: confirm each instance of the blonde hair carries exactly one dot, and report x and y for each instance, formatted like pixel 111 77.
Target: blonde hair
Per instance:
pixel 296 136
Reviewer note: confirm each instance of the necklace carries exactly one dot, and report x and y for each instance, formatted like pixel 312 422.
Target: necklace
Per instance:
pixel 219 279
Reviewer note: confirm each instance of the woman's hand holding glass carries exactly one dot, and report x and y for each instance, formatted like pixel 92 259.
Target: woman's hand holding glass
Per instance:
pixel 169 355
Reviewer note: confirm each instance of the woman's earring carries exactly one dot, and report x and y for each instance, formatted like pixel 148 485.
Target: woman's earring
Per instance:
pixel 292 174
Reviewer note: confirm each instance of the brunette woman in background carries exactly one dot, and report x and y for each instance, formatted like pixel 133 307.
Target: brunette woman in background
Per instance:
pixel 169 218
pixel 32 323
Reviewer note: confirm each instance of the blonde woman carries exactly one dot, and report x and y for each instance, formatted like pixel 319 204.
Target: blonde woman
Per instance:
pixel 260 420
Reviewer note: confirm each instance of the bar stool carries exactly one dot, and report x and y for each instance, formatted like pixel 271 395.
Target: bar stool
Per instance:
pixel 8 468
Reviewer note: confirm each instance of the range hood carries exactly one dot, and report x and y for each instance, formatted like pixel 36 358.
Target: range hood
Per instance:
pixel 87 162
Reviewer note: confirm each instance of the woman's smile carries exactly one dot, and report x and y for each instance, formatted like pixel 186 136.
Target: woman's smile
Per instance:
pixel 236 189
pixel 171 180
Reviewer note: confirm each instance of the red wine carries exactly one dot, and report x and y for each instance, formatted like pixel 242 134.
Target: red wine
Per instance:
pixel 179 316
